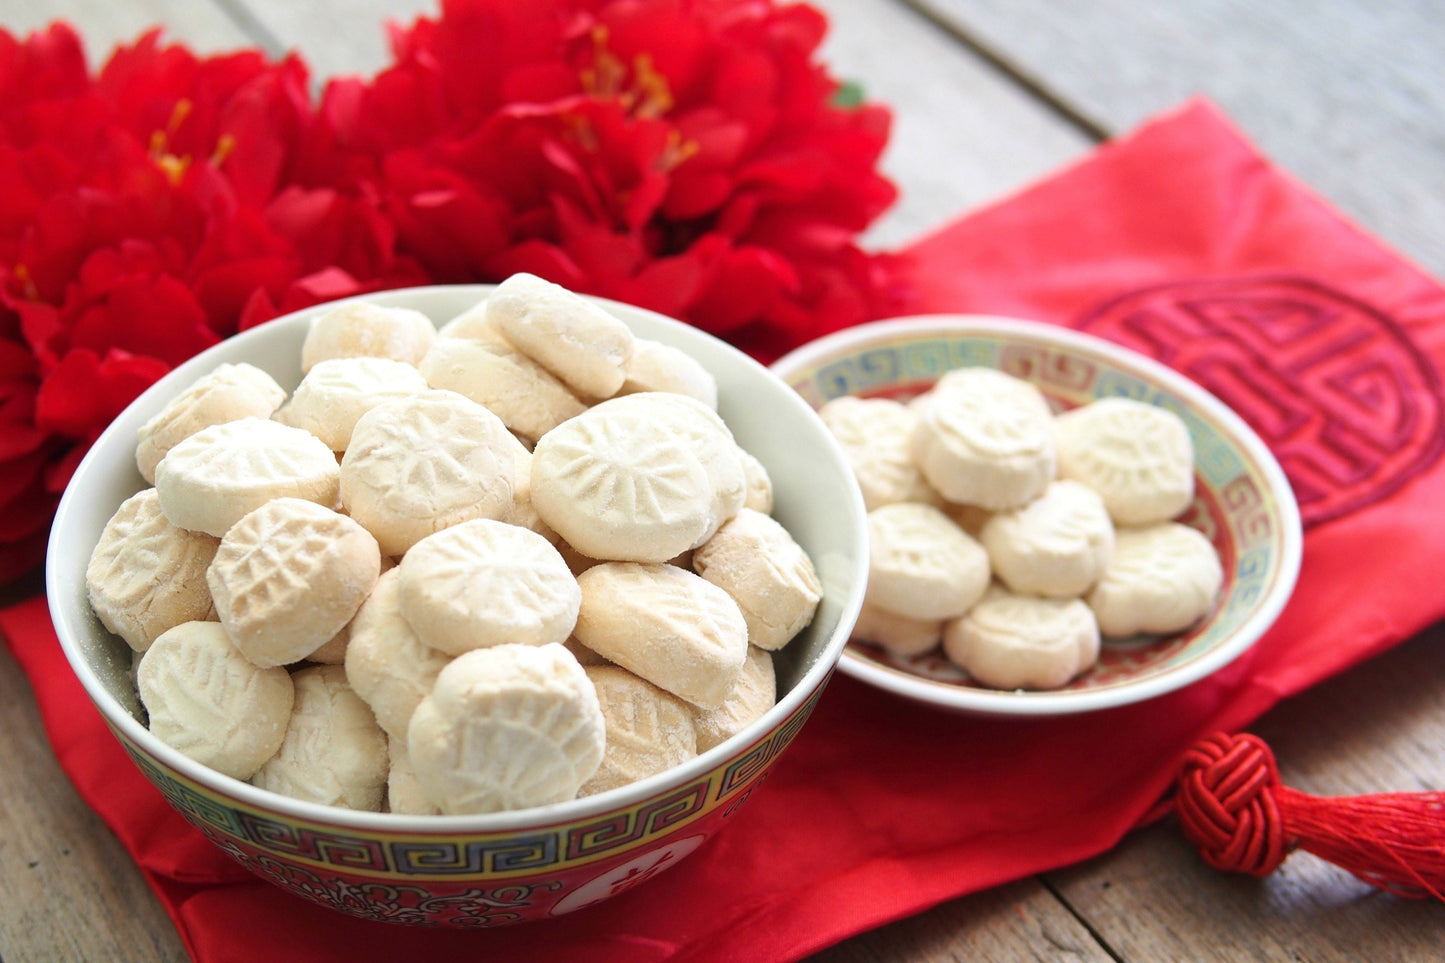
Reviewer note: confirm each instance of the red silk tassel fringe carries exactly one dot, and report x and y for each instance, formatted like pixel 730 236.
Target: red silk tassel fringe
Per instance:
pixel 1231 805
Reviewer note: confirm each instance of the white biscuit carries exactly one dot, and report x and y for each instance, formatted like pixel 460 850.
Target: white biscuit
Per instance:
pixel 528 399
pixel 1055 546
pixel 387 663
pixel 654 366
pixel 229 393
pixel 360 329
pixel 985 438
pixel 875 435
pixel 675 629
pixel 333 753
pixel 759 492
pixel 473 325
pixel 403 792
pixel 1161 579
pixel 333 650
pixel 922 565
pixel 338 391
pixel 507 728
pixel 523 512
pixel 422 463
pixel 146 575
pixel 616 482
pixel 766 572
pixel 289 576
pixel 703 432
pixel 900 635
pixel 648 730
pixel 484 583
pixel 207 701
pixel 576 340
pixel 1138 457
pixel 755 693
pixel 209 480
pixel 1010 641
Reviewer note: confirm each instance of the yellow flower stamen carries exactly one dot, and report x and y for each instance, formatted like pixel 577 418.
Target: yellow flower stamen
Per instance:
pixel 641 90
pixel 22 274
pixel 224 146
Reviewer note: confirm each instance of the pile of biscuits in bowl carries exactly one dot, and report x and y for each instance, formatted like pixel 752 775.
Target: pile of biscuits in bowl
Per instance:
pixel 480 570
pixel 460 605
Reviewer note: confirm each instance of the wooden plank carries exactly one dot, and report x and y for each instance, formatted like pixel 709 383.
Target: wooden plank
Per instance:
pixel 1377 728
pixel 1021 921
pixel 72 892
pixel 963 133
pixel 1347 95
pixel 103 24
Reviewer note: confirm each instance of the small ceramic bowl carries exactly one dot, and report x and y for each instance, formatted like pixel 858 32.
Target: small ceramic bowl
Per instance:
pixel 506 867
pixel 1242 499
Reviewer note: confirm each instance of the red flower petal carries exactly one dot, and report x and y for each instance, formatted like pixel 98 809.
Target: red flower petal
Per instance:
pixel 85 391
pixel 155 317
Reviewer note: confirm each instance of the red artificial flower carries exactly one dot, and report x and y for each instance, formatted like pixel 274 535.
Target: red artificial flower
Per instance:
pixel 686 155
pixel 146 212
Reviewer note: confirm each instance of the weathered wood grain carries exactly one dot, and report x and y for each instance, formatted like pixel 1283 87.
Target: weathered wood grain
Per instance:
pixel 1377 728
pixel 1346 94
pixel 71 891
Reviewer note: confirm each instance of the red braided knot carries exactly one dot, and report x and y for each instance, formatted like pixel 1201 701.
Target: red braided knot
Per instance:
pixel 1227 806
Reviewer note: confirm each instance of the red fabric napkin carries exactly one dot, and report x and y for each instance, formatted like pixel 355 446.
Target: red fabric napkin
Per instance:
pixel 1179 239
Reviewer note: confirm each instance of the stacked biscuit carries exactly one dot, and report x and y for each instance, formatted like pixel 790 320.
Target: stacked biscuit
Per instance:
pixel 1016 538
pixel 501 565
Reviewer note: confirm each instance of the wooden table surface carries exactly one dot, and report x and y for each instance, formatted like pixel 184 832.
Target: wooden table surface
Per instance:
pixel 988 95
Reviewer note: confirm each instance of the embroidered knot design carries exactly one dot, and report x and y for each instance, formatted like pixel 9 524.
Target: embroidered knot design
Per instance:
pixel 1227 807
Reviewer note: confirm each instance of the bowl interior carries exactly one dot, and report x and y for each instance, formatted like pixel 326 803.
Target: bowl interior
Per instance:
pixel 815 500
pixel 1242 500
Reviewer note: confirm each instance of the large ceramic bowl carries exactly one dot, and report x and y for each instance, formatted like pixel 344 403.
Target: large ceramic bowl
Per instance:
pixel 505 867
pixel 1242 500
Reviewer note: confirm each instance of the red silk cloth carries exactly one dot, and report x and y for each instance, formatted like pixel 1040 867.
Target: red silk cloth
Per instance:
pixel 1178 239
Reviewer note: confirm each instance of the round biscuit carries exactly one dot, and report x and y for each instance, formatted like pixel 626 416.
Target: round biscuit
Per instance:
pixel 485 583
pixel 289 576
pixel 755 693
pixel 1055 546
pixel 209 702
pixel 211 479
pixel 985 438
pixel 145 575
pixel 617 483
pixel 756 561
pixel 1010 641
pixel 576 340
pixel 422 463
pixel 336 392
pixel 1161 578
pixel 1137 456
pixel 333 752
pixel 361 329
pixel 506 728
pixel 921 565
pixel 648 730
pixel 654 366
pixel 671 627
pixel 387 663
pixel 528 399
pixel 230 392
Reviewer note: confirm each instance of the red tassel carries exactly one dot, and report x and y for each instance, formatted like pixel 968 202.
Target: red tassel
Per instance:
pixel 1232 806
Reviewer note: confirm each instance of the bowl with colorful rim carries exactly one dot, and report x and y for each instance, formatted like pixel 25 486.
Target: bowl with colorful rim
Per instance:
pixel 1242 502
pixel 495 868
